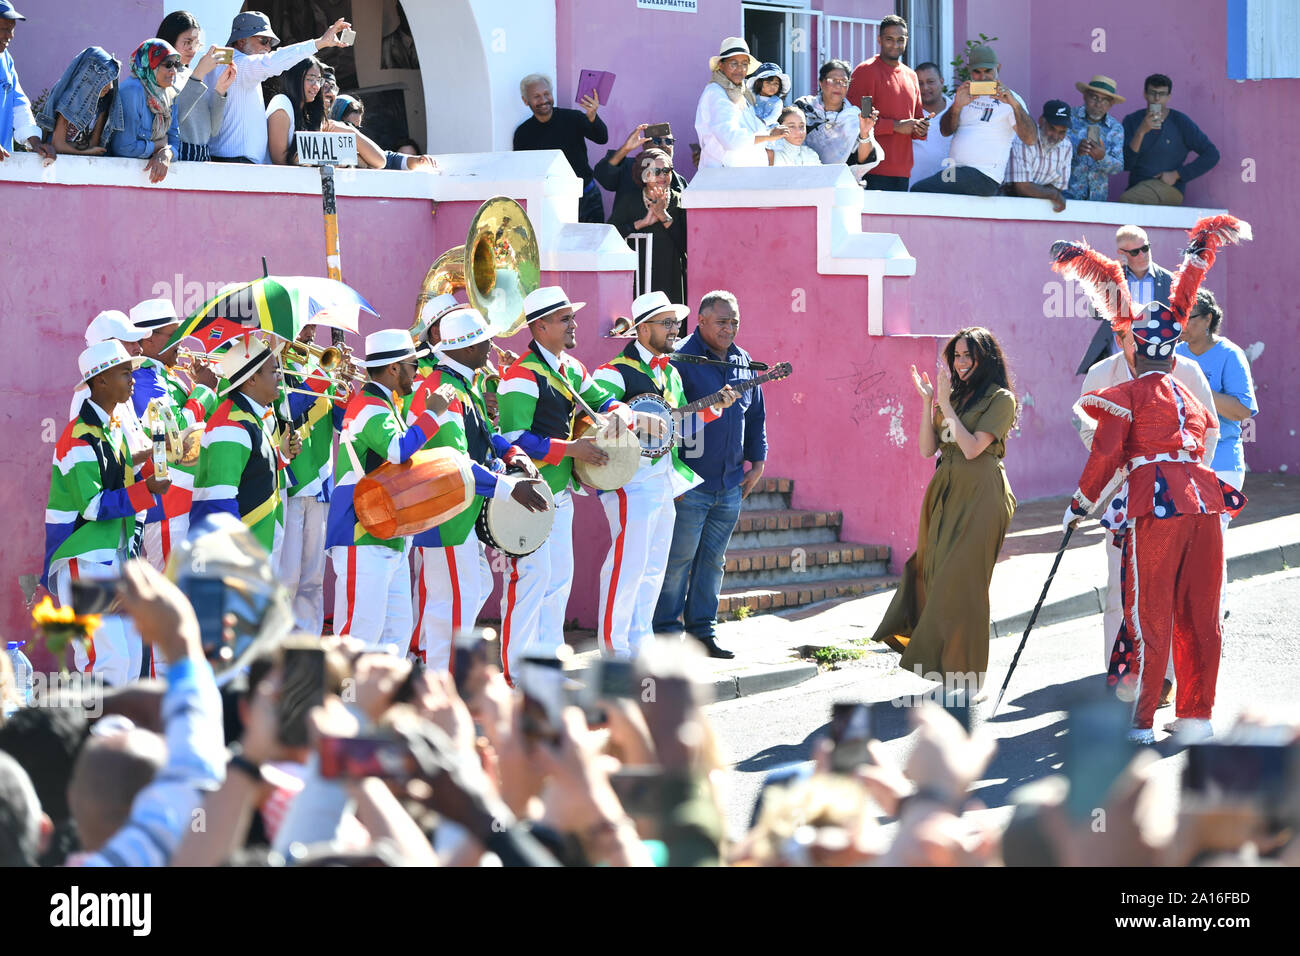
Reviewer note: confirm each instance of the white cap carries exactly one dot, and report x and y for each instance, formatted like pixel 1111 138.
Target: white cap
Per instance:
pixel 112 324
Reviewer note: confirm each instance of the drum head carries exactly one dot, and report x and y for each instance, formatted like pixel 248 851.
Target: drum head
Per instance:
pixel 511 528
pixel 652 404
pixel 624 458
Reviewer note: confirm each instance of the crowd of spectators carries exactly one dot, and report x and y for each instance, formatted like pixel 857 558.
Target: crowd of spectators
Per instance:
pixel 398 766
pixel 175 105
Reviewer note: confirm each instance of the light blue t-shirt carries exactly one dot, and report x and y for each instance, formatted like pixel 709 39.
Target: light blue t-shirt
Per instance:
pixel 1228 371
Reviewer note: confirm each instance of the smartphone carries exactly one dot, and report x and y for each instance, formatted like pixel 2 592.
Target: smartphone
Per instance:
pixel 1156 110
pixel 983 87
pixel 93 596
pixel 1096 751
pixel 208 598
pixel 866 106
pixel 224 55
pixel 1094 132
pixel 1263 775
pixel 618 679
pixel 658 130
pixel 543 703
pixel 643 791
pixel 850 729
pixel 469 659
pixel 302 687
pixel 347 36
pixel 354 758
pixel 405 692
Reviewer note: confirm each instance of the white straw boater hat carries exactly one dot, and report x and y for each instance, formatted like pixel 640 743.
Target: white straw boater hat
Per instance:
pixel 112 324
pixel 547 301
pixel 245 355
pixel 386 347
pixel 432 311
pixel 732 46
pixel 154 314
pixel 102 356
pixel 462 328
pixel 646 306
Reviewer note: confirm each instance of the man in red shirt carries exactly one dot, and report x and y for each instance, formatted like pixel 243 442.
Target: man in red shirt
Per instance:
pixel 896 93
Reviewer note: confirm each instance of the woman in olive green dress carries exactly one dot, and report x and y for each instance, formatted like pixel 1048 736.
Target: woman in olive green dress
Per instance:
pixel 939 618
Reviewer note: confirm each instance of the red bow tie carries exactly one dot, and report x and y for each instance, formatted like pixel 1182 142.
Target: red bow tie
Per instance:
pixel 659 362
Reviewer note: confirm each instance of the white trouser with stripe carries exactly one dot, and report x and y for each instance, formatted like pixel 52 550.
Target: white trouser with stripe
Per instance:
pixel 535 593
pixel 641 518
pixel 372 595
pixel 302 560
pixel 449 594
pixel 161 536
pixel 115 652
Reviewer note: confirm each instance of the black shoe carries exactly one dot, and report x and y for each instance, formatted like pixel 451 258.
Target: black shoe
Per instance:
pixel 713 649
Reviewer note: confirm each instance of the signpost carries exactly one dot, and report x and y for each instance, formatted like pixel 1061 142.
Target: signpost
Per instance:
pixel 328 150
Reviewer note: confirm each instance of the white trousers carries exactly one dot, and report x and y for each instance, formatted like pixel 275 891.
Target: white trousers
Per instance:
pixel 302 561
pixel 449 593
pixel 535 594
pixel 115 652
pixel 641 517
pixel 372 595
pixel 161 536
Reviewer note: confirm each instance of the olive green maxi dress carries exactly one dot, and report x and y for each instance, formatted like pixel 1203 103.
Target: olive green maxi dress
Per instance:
pixel 939 618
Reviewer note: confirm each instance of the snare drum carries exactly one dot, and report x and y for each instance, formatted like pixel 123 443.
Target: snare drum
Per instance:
pixel 649 403
pixel 624 452
pixel 511 528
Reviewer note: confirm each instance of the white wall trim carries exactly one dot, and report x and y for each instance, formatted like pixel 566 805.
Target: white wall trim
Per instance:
pixel 542 179
pixel 878 202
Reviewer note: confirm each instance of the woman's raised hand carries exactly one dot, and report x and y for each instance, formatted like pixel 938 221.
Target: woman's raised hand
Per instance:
pixel 942 388
pixel 921 381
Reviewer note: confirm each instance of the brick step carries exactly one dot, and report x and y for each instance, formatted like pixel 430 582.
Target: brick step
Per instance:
pixel 762 599
pixel 784 528
pixel 773 486
pixel 804 565
pixel 765 501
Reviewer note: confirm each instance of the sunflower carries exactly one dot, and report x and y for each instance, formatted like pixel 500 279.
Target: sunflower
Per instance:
pixel 59 625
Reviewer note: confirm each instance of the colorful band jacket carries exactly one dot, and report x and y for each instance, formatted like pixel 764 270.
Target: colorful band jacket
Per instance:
pixel 189 407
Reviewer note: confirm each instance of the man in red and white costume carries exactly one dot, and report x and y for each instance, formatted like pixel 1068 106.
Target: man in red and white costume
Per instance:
pixel 1155 428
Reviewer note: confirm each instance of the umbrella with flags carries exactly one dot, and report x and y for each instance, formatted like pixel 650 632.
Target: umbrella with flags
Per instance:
pixel 280 305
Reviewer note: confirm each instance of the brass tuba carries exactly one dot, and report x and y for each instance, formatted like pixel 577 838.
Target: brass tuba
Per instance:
pixel 497 266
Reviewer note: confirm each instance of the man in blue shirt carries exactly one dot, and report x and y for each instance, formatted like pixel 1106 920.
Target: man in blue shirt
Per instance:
pixel 1097 139
pixel 16 119
pixel 707 514
pixel 1156 143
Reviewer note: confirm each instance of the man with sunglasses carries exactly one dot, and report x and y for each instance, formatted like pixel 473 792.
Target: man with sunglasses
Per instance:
pixel 1147 282
pixel 242 137
pixel 618 177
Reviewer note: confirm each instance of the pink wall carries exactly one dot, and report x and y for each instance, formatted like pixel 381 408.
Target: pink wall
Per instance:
pixel 134 242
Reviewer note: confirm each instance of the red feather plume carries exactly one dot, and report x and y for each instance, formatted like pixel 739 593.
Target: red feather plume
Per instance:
pixel 1206 237
pixel 1101 277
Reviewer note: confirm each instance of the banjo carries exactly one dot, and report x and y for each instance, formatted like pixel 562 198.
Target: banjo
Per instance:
pixel 655 447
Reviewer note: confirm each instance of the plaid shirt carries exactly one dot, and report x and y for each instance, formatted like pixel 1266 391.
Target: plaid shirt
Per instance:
pixel 1040 164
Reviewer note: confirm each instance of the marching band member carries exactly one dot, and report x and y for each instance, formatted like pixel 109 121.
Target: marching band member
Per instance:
pixel 450 588
pixel 1155 427
pixel 426 331
pixel 641 513
pixel 95 495
pixel 536 407
pixel 306 504
pixel 156 379
pixel 244 456
pixel 112 324
pixel 372 591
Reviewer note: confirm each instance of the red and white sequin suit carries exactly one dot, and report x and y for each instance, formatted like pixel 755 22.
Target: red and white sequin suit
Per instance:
pixel 1174 546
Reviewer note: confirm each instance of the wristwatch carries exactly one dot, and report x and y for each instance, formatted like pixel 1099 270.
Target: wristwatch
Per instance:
pixel 239 762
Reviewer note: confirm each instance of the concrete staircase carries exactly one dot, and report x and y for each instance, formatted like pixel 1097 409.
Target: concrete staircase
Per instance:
pixel 783 558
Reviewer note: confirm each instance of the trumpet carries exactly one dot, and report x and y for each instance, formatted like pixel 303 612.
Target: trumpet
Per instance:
pixel 335 363
pixel 193 358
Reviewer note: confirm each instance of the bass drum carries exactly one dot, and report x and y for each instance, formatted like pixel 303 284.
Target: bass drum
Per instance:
pixel 624 452
pixel 511 528
pixel 396 500
pixel 649 403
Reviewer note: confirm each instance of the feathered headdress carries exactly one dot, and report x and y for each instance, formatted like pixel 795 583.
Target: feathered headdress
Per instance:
pixel 1206 237
pixel 1101 277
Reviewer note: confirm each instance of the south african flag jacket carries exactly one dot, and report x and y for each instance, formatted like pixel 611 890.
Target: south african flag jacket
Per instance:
pixel 153 380
pixel 94 492
pixel 323 415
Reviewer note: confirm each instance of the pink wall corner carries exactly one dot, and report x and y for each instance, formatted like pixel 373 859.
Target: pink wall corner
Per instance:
pixel 57 30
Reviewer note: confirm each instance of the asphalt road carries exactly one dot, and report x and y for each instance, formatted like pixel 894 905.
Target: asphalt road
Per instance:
pixel 1260 668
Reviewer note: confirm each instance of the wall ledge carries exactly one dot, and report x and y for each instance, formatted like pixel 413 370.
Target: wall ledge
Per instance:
pixel 877 202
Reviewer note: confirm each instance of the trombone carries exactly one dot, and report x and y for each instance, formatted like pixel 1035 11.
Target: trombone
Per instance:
pixel 335 364
pixel 195 358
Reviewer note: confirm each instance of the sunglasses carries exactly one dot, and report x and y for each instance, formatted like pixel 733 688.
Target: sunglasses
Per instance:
pixel 171 63
pixel 1138 251
pixel 660 171
pixel 662 140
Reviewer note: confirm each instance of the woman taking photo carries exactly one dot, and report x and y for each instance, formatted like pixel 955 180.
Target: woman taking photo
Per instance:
pixel 198 109
pixel 149 126
pixel 656 211
pixel 939 618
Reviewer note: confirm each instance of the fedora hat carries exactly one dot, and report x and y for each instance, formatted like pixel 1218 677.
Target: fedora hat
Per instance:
pixel 547 300
pixel 153 314
pixel 1100 84
pixel 646 306
pixel 733 46
pixel 237 363
pixel 432 311
pixel 462 328
pixel 102 356
pixel 112 324
pixel 386 347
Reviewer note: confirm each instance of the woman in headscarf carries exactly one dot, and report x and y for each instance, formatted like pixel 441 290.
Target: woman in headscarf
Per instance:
pixel 199 109
pixel 656 210
pixel 731 134
pixel 82 112
pixel 150 128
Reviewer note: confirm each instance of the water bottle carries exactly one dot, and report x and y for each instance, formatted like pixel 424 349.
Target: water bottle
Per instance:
pixel 22 671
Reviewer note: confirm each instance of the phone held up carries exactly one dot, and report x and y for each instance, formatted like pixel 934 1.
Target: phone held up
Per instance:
pixel 983 87
pixel 658 131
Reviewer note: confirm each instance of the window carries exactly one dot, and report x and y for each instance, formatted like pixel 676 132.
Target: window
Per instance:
pixel 929 32
pixel 785 34
pixel 1263 39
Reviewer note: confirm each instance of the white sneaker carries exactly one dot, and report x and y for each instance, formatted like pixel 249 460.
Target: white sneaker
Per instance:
pixel 1145 737
pixel 1190 730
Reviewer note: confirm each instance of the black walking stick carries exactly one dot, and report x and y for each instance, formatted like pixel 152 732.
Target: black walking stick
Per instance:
pixel 1033 617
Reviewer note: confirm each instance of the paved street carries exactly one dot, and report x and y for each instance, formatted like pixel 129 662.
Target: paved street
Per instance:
pixel 1260 668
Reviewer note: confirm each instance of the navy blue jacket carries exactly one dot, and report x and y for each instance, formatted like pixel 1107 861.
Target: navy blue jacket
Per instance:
pixel 740 435
pixel 1166 149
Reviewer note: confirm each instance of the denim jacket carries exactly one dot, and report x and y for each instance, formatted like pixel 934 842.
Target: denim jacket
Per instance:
pixel 136 136
pixel 76 95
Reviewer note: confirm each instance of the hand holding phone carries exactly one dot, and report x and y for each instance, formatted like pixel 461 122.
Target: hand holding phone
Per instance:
pixel 347 36
pixel 983 87
pixel 865 106
pixel 850 730
pixel 355 758
pixel 224 55
pixel 658 130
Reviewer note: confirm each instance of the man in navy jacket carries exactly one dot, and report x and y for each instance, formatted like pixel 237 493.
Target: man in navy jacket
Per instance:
pixel 1156 143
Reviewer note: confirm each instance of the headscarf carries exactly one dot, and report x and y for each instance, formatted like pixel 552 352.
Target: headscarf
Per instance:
pixel 342 105
pixel 148 56
pixel 735 91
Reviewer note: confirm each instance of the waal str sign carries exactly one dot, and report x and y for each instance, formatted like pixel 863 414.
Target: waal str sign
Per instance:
pixel 681 6
pixel 326 149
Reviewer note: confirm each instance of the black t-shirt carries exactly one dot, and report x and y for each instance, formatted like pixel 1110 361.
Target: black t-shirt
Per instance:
pixel 565 131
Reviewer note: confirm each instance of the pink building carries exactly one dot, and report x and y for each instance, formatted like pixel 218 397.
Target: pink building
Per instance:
pixel 850 287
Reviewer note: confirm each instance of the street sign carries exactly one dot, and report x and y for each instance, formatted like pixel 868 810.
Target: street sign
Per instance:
pixel 326 149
